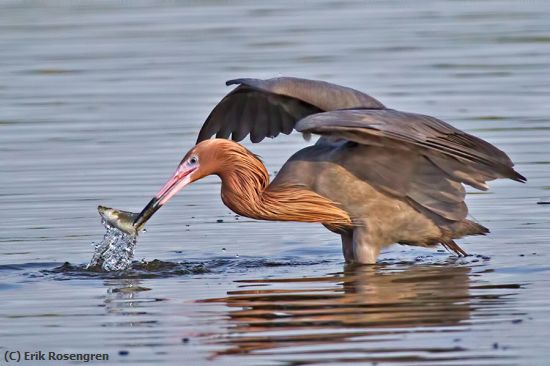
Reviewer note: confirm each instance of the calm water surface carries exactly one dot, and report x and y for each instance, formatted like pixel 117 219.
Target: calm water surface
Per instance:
pixel 99 101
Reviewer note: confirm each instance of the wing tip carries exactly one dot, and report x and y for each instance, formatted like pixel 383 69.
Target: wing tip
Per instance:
pixel 518 177
pixel 201 138
pixel 236 81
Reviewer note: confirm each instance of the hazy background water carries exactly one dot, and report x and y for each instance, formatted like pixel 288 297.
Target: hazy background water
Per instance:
pixel 99 100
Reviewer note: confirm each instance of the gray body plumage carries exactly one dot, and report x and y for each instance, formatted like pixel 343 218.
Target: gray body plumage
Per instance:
pixel 398 175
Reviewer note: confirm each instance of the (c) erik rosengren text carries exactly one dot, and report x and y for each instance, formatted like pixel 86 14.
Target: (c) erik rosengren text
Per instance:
pixel 18 356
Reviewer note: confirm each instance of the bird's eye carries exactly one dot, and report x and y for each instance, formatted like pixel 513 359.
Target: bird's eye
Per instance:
pixel 193 160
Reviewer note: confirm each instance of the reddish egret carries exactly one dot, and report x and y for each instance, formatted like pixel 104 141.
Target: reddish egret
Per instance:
pixel 376 176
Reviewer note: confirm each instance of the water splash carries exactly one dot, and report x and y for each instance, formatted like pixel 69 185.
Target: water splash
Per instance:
pixel 115 252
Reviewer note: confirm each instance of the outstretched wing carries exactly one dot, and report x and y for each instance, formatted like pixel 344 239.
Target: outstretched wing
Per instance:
pixel 418 158
pixel 468 158
pixel 266 108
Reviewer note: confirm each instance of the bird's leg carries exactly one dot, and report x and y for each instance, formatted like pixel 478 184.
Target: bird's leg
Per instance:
pixel 365 248
pixel 347 246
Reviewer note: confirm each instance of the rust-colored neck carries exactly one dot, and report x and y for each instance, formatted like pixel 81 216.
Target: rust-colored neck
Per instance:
pixel 246 191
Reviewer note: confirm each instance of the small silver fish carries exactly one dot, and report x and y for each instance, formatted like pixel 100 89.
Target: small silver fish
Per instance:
pixel 122 220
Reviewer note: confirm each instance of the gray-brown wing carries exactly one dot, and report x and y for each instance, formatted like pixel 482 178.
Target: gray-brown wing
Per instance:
pixel 409 175
pixel 266 108
pixel 467 158
pixel 393 169
pixel 418 158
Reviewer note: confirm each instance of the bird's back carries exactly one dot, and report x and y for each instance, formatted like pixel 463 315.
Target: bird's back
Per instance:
pixel 377 194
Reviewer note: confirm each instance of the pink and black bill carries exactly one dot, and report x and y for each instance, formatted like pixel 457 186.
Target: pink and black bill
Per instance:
pixel 179 179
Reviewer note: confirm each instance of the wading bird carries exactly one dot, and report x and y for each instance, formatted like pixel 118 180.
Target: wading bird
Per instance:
pixel 376 176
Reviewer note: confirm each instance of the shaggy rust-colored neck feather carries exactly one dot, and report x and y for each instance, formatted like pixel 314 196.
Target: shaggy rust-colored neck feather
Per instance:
pixel 246 190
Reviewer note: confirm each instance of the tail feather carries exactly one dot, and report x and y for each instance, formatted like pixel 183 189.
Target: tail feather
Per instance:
pixel 467 227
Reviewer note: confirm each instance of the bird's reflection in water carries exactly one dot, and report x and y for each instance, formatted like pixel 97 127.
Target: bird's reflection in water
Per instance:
pixel 364 314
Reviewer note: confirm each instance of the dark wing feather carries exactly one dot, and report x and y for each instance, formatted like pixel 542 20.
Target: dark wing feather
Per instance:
pixel 266 108
pixel 418 158
pixel 465 157
pixel 409 175
pixel 325 96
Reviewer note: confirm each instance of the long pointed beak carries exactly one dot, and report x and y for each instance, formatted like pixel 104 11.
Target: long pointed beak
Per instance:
pixel 180 179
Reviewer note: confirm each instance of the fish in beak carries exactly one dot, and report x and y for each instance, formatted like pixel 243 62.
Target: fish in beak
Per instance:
pixel 122 220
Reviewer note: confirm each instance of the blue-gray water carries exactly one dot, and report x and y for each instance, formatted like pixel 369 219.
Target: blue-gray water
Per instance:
pixel 99 100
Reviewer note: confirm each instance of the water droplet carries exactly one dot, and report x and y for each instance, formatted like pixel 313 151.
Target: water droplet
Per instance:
pixel 115 252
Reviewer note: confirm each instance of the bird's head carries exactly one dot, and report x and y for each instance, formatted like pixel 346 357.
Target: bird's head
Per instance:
pixel 206 158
